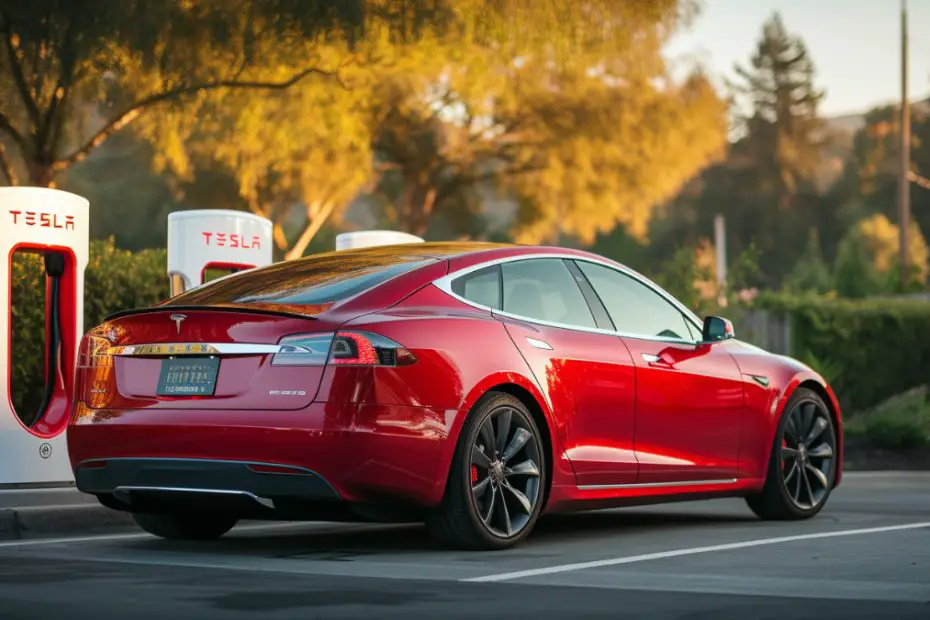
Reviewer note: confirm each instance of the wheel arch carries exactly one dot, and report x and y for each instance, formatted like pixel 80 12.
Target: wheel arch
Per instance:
pixel 823 390
pixel 814 382
pixel 521 388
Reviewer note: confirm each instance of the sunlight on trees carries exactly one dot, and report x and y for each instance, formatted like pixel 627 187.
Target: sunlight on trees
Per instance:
pixel 563 107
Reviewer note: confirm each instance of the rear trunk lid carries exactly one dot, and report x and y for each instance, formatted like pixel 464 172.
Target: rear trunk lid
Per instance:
pixel 190 345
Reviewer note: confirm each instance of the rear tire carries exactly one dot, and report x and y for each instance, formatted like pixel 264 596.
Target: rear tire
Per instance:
pixel 805 443
pixel 497 481
pixel 185 526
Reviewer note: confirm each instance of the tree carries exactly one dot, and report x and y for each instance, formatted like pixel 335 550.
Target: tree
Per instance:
pixel 866 262
pixel 768 186
pixel 811 272
pixel 578 141
pixel 870 178
pixel 785 135
pixel 72 73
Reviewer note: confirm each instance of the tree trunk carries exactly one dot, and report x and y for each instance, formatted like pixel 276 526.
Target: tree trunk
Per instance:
pixel 417 209
pixel 6 166
pixel 318 217
pixel 41 174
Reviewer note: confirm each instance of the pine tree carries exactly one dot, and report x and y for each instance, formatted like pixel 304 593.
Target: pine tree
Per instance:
pixel 784 136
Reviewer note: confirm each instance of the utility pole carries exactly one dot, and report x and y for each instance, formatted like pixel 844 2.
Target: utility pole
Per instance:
pixel 720 245
pixel 904 189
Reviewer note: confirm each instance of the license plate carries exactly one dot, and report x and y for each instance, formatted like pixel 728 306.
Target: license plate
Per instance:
pixel 188 377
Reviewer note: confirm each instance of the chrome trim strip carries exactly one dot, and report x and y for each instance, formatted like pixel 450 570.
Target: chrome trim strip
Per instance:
pixel 445 284
pixel 194 348
pixel 261 500
pixel 655 485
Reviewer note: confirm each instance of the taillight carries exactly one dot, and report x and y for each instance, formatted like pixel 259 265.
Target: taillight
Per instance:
pixel 303 350
pixel 95 352
pixel 95 372
pixel 344 348
pixel 368 349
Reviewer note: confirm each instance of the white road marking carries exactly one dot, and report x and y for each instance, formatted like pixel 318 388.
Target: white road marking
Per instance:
pixel 108 537
pixel 565 568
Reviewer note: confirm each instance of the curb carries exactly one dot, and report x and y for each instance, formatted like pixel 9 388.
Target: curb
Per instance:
pixel 38 521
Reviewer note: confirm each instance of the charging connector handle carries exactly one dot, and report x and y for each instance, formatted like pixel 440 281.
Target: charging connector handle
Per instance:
pixel 54 269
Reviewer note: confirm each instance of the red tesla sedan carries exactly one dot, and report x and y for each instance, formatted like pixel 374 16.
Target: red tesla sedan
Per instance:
pixel 470 386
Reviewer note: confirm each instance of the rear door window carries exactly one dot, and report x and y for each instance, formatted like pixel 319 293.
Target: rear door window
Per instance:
pixel 544 289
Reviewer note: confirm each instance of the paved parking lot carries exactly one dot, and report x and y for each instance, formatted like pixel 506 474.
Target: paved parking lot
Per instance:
pixel 867 555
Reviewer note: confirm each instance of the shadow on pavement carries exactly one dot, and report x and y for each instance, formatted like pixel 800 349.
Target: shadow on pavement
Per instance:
pixel 338 541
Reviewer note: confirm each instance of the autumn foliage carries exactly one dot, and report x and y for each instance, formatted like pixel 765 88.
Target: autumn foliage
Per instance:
pixel 427 110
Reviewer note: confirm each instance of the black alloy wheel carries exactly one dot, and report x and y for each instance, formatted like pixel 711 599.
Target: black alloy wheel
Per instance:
pixel 496 484
pixel 802 465
pixel 504 473
pixel 807 453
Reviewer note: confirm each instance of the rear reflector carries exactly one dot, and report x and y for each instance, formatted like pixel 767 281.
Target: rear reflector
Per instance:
pixel 278 469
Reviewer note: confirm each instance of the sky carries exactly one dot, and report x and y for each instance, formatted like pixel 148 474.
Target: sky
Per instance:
pixel 855 45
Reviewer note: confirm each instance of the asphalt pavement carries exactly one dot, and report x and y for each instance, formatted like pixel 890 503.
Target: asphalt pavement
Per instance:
pixel 867 555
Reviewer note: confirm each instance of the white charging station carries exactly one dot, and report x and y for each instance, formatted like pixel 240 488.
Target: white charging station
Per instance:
pixel 214 239
pixel 55 224
pixel 372 238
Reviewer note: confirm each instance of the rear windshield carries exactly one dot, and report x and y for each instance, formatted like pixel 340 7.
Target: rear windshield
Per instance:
pixel 309 281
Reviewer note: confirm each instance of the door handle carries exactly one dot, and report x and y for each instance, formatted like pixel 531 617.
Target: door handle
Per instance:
pixel 539 344
pixel 656 359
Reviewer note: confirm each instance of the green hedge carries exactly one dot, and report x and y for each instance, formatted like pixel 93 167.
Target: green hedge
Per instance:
pixel 868 349
pixel 114 280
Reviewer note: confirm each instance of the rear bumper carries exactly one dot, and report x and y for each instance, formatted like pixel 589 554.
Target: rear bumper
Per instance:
pixel 257 481
pixel 346 453
pixel 250 489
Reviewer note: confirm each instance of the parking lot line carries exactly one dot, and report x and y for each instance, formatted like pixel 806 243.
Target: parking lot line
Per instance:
pixel 33 542
pixel 565 568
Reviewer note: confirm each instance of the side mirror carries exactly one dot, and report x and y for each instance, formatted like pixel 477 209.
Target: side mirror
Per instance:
pixel 716 329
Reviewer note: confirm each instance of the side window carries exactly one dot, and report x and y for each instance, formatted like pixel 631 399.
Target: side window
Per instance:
pixel 635 308
pixel 544 289
pixel 482 287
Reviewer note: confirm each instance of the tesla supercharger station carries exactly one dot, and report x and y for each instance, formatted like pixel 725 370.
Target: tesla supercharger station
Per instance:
pixel 214 239
pixel 54 224
pixel 371 238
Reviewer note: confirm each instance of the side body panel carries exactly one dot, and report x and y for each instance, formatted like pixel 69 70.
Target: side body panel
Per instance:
pixel 588 379
pixel 689 411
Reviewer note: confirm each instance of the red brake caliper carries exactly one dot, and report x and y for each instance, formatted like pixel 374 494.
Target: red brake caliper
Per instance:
pixel 474 474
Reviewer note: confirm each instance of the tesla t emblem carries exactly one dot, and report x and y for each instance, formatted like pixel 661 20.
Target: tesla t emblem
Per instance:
pixel 178 319
pixel 45 450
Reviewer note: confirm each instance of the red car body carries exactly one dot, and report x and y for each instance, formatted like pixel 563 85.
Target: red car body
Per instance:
pixel 625 420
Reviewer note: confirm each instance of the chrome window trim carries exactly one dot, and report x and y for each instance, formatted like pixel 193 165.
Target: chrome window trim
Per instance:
pixel 445 284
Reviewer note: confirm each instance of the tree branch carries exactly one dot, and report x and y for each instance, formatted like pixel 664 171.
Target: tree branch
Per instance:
pixel 47 131
pixel 6 124
pixel 7 166
pixel 18 76
pixel 137 108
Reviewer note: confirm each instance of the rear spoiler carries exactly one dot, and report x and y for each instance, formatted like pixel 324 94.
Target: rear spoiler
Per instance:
pixel 230 308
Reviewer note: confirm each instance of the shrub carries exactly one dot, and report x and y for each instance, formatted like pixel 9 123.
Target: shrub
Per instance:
pixel 874 348
pixel 901 422
pixel 114 280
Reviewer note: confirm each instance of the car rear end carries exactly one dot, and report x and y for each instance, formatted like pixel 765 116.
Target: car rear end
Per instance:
pixel 248 391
